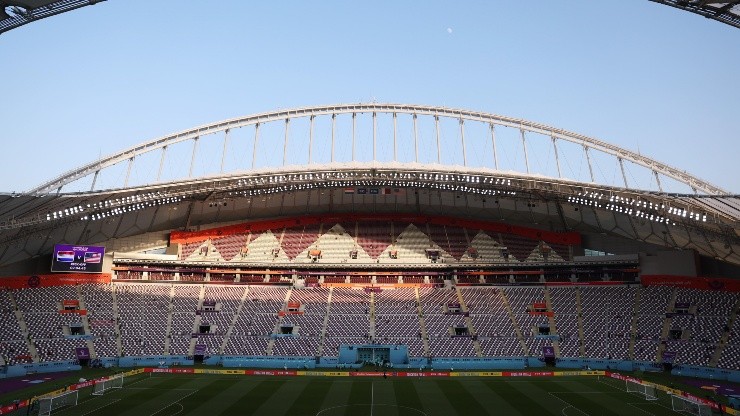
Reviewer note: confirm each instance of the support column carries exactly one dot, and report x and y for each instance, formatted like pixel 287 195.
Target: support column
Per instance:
pixel 310 136
pixel 557 156
pixel 416 141
pixel 621 167
pixel 256 139
pixel 285 143
pixel 161 162
pixel 95 179
pixel 354 124
pixel 462 138
pixel 657 180
pixel 395 133
pixel 333 129
pixel 590 168
pixel 223 154
pixel 128 172
pixel 192 159
pixel 375 130
pixel 524 144
pixel 493 143
pixel 436 131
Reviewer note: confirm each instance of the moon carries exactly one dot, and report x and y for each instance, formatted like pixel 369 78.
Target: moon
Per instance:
pixel 449 30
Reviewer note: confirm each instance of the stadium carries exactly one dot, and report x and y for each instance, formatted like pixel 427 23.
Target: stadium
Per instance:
pixel 371 258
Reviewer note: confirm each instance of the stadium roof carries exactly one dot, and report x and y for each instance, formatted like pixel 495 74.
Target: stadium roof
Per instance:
pixel 16 13
pixel 475 186
pixel 727 12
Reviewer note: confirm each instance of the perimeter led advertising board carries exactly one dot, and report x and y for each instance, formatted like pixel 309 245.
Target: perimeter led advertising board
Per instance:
pixel 80 259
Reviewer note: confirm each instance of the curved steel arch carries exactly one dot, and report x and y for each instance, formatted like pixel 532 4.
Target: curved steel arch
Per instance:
pixel 724 11
pixel 28 11
pixel 493 119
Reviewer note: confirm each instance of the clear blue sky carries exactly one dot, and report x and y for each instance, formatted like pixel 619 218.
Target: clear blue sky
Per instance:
pixel 631 72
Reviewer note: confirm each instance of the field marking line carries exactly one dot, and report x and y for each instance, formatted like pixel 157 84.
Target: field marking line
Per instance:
pixel 568 405
pixel 177 402
pixel 98 408
pixel 181 409
pixel 413 409
pixel 159 388
pixel 562 412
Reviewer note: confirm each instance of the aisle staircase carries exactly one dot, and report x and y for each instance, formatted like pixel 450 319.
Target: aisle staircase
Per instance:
pixel 724 340
pixel 24 328
pixel 552 323
pixel 233 320
pixel 518 330
pixel 422 324
pixel 117 318
pixel 326 322
pixel 581 337
pixel 633 325
pixel 168 327
pixel 468 322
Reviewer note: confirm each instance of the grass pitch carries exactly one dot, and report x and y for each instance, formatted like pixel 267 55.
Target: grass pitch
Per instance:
pixel 202 394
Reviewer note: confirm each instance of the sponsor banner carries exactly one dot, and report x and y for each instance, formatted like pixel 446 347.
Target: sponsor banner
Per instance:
pixel 208 371
pixel 669 357
pixel 270 373
pixel 4 410
pixel 528 373
pixel 200 349
pixel 324 373
pixel 170 370
pixel 422 374
pixel 49 280
pixel 579 373
pixel 476 374
pixel 701 283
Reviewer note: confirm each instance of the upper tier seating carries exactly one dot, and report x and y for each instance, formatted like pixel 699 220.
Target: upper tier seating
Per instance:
pixel 373 242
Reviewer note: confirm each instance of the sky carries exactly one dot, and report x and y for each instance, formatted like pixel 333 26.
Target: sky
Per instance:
pixel 100 79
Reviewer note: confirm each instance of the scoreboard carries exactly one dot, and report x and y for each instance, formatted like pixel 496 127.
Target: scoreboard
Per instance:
pixel 78 259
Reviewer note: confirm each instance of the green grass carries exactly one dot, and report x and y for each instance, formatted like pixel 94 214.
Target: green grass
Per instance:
pixel 204 394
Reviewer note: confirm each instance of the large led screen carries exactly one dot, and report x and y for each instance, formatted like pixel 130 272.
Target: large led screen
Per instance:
pixel 77 259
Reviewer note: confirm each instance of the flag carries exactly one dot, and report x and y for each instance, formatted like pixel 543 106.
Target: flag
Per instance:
pixel 386 191
pixel 349 190
pixel 92 257
pixel 66 256
pixel 374 191
pixel 361 190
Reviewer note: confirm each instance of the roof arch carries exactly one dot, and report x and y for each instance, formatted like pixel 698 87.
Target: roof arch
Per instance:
pixel 586 148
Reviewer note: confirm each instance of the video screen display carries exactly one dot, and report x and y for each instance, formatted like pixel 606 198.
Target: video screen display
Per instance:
pixel 78 259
